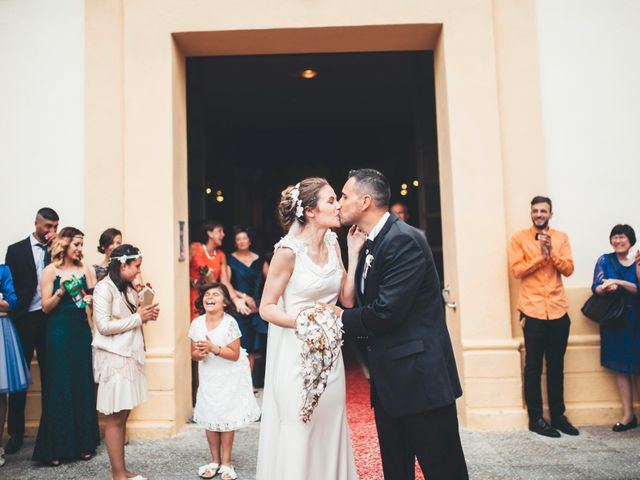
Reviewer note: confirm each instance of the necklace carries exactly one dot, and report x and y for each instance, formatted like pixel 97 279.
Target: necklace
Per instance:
pixel 206 252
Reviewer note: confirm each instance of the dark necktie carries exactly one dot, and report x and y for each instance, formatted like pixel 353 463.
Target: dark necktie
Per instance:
pixel 368 246
pixel 47 254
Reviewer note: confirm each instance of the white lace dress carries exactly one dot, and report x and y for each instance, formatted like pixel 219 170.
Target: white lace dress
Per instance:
pixel 289 448
pixel 225 400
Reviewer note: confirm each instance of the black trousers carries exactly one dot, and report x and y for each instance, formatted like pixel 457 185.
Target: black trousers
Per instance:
pixel 432 437
pixel 545 338
pixel 32 330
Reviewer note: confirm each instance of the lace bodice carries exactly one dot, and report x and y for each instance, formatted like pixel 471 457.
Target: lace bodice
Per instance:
pixel 311 283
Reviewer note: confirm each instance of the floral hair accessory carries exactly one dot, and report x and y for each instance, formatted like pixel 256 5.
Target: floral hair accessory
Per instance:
pixel 295 196
pixel 321 333
pixel 124 258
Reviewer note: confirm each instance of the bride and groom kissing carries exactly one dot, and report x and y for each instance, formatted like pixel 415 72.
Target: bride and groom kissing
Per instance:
pixel 390 292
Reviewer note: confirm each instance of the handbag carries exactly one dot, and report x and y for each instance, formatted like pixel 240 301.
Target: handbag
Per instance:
pixel 608 310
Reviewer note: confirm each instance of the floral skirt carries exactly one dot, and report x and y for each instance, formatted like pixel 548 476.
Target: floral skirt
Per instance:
pixel 122 383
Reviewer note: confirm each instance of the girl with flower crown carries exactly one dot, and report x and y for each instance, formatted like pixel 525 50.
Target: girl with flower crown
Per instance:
pixel 118 351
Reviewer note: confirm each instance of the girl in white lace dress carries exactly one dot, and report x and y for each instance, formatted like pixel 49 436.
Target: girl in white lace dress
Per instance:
pixel 225 400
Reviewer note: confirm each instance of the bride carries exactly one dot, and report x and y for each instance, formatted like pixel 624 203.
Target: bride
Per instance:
pixel 306 269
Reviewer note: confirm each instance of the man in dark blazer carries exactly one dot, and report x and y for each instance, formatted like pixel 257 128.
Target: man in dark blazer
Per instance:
pixel 26 260
pixel 414 380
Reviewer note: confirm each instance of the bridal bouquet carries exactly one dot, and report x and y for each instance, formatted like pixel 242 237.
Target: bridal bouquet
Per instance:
pixel 321 334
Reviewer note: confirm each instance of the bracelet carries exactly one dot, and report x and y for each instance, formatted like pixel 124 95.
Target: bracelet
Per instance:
pixel 219 351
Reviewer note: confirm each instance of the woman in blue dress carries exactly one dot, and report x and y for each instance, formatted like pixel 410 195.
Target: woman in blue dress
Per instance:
pixel 620 347
pixel 69 422
pixel 248 271
pixel 14 372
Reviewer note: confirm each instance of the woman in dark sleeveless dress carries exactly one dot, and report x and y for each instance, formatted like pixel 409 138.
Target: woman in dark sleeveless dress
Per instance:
pixel 69 422
pixel 248 271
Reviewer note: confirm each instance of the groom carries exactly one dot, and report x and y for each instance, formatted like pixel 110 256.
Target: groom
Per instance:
pixel 414 381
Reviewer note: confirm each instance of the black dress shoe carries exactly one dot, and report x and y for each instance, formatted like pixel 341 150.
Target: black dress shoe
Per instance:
pixel 623 427
pixel 13 445
pixel 541 427
pixel 564 425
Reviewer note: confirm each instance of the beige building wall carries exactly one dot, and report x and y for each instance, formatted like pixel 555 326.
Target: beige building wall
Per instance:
pixel 494 68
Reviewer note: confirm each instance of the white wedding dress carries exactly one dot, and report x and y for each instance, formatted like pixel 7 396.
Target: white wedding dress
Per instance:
pixel 289 448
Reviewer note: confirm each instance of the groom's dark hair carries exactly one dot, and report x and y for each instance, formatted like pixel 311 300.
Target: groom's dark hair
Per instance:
pixel 374 183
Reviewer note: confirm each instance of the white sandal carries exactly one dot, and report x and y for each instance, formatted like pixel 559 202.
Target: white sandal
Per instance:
pixel 209 467
pixel 227 472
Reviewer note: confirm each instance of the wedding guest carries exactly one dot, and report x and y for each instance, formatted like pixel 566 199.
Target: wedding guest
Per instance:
pixel 118 347
pixel 225 400
pixel 14 371
pixel 248 271
pixel 69 422
pixel 539 257
pixel 109 239
pixel 26 260
pixel 401 211
pixel 619 349
pixel 208 263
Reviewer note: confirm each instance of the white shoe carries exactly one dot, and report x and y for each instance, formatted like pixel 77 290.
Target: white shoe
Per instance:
pixel 228 472
pixel 2 460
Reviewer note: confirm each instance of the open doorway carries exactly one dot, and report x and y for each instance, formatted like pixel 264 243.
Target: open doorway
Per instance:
pixel 259 123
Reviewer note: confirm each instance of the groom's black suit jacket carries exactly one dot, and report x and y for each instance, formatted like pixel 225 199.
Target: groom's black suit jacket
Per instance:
pixel 411 360
pixel 20 261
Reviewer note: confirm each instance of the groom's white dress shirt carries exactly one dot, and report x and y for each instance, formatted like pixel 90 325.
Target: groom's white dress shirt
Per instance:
pixel 38 258
pixel 372 236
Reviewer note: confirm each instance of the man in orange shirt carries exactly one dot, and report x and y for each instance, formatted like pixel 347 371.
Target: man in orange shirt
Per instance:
pixel 539 257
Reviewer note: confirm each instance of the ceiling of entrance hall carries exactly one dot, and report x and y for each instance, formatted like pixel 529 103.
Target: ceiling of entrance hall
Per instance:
pixel 269 91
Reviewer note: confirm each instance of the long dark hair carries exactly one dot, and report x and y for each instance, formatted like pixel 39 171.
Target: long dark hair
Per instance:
pixel 114 270
pixel 229 307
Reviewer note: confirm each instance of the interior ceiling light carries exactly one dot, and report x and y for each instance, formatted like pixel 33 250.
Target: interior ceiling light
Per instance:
pixel 309 73
pixel 403 193
pixel 208 190
pixel 403 186
pixel 219 192
pixel 220 198
pixel 416 183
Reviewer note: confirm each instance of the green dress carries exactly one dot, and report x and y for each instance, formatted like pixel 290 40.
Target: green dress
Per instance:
pixel 69 422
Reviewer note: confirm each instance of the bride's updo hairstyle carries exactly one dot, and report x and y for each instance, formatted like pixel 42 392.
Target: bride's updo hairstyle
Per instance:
pixel 295 199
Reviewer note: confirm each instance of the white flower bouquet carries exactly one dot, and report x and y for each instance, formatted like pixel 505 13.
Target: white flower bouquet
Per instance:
pixel 321 333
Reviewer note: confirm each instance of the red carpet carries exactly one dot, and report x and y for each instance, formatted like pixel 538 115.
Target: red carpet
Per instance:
pixel 361 422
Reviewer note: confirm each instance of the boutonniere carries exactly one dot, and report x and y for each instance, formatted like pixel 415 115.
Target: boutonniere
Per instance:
pixel 369 260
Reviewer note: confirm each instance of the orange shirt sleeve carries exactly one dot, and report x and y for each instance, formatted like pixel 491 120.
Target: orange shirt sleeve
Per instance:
pixel 563 259
pixel 519 265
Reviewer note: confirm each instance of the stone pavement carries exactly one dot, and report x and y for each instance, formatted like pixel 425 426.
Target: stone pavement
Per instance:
pixel 597 454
